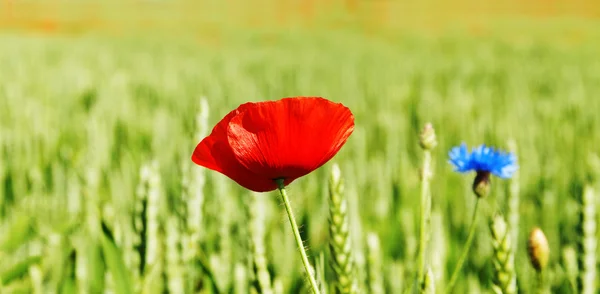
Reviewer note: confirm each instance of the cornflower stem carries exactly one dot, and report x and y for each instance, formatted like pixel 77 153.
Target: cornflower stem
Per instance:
pixel 425 215
pixel 290 213
pixel 465 252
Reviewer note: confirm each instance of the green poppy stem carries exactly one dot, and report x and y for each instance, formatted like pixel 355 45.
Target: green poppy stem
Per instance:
pixel 465 252
pixel 288 208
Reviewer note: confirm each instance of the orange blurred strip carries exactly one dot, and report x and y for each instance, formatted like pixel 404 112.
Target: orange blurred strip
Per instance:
pixel 7 7
pixel 54 16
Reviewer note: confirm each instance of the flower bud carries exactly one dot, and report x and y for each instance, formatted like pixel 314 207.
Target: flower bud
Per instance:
pixel 482 184
pixel 538 249
pixel 427 138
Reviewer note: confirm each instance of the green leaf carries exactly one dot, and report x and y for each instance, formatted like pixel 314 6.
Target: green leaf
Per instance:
pixel 153 281
pixel 68 286
pixel 114 262
pixel 18 270
pixel 94 264
pixel 16 232
pixel 22 286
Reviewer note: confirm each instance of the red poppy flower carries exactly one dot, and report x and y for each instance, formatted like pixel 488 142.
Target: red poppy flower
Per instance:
pixel 258 143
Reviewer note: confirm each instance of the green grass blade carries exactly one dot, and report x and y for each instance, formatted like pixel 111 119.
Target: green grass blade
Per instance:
pixel 115 264
pixel 18 270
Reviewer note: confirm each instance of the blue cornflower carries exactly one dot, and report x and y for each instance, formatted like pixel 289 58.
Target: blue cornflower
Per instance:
pixel 483 159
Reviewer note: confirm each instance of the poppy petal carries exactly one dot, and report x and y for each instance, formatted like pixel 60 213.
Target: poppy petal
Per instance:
pixel 214 152
pixel 290 137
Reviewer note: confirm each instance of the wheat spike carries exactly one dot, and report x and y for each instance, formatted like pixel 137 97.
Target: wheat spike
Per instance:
pixel 505 280
pixel 340 246
pixel 587 243
pixel 374 265
pixel 174 270
pixel 256 211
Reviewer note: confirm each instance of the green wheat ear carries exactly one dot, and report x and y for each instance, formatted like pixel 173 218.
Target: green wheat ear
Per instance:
pixel 174 267
pixel 569 263
pixel 374 265
pixel 587 243
pixel 339 236
pixel 505 280
pixel 193 199
pixel 256 210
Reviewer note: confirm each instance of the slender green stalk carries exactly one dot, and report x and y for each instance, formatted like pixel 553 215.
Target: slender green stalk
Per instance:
pixel 374 265
pixel 427 141
pixel 240 274
pixel 438 243
pixel 569 263
pixel 290 213
pixel 320 273
pixel 424 233
pixel 36 276
pixel 465 252
pixel 428 285
pixel 152 215
pixel 513 201
pixel 137 261
pixel 192 203
pixel 174 271
pixel 256 211
pixel 541 286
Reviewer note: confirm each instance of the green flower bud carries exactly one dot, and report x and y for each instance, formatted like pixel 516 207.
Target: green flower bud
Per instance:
pixel 427 138
pixel 482 184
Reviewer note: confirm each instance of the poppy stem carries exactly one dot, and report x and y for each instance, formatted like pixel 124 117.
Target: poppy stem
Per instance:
pixel 465 252
pixel 288 208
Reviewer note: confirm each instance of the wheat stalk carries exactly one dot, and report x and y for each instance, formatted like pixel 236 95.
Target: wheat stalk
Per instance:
pixel 340 246
pixel 513 200
pixel 569 263
pixel 240 274
pixel 152 215
pixel 193 193
pixel 174 268
pixel 427 141
pixel 428 285
pixel 256 211
pixel 587 243
pixel 140 226
pixel 439 240
pixel 505 280
pixel 374 265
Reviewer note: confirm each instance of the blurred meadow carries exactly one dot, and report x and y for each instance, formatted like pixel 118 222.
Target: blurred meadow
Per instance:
pixel 103 102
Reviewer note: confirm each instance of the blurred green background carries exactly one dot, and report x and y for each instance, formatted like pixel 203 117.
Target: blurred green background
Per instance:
pixel 100 109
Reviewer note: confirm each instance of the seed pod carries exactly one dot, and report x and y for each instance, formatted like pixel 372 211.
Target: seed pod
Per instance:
pixel 538 249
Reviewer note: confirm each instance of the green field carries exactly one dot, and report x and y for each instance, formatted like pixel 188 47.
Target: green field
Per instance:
pixel 96 134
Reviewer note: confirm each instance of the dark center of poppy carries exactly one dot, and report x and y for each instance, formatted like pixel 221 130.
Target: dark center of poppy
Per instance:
pixel 279 182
